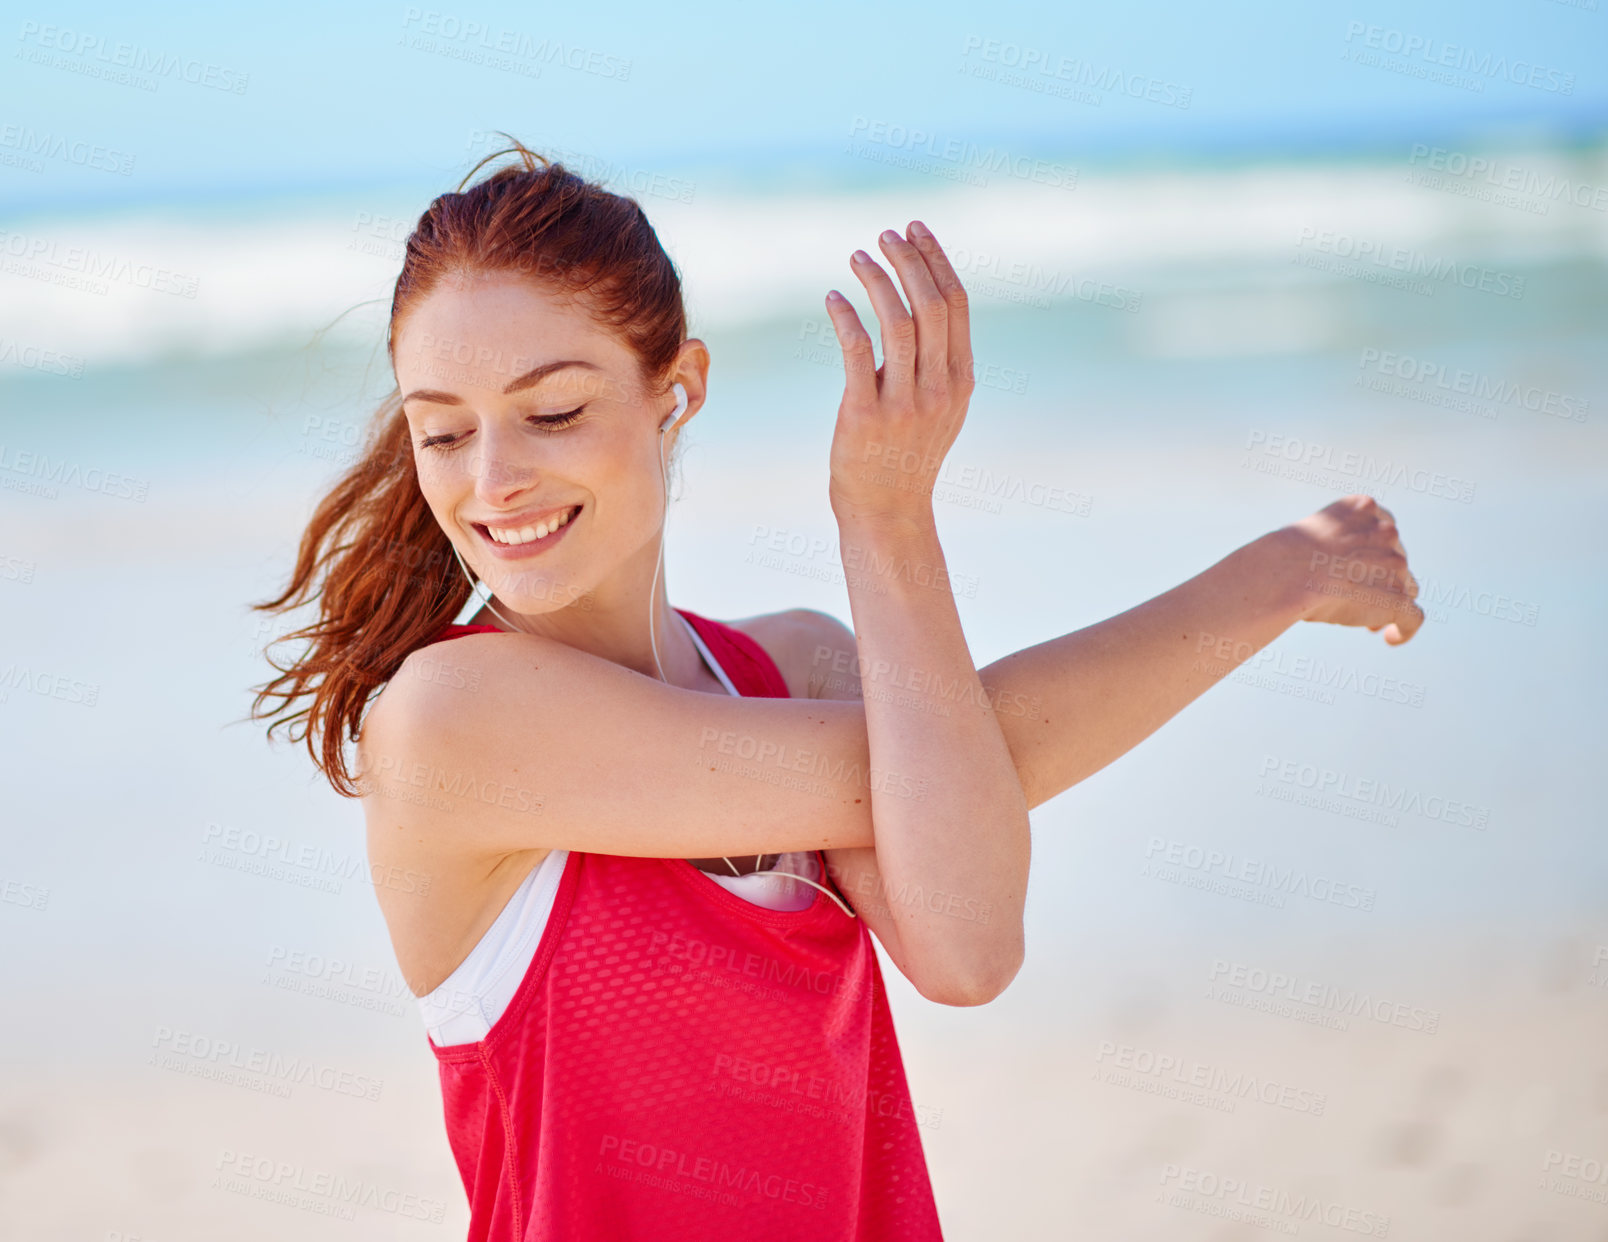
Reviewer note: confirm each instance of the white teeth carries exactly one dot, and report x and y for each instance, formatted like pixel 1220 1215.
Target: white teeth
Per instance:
pixel 529 534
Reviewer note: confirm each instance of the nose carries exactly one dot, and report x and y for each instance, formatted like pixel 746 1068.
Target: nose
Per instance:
pixel 500 467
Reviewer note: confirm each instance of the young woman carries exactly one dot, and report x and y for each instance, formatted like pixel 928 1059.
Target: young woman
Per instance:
pixel 631 858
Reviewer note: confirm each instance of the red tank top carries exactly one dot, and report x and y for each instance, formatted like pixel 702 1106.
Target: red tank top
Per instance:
pixel 682 1065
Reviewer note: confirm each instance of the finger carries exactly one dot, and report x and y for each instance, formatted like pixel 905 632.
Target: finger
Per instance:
pixel 1409 583
pixel 927 308
pixel 1392 536
pixel 1406 626
pixel 898 328
pixel 859 361
pixel 954 295
pixel 1406 616
pixel 1415 618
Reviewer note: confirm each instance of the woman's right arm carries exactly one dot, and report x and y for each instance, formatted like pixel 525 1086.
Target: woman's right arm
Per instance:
pixel 536 756
pixel 556 748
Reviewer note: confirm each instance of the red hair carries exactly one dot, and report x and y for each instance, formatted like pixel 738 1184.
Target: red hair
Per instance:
pixel 373 555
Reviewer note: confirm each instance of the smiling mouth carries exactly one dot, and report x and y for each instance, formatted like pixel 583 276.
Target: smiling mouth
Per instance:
pixel 532 534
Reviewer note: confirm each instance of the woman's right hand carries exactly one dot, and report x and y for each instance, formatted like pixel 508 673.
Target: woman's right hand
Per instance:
pixel 896 422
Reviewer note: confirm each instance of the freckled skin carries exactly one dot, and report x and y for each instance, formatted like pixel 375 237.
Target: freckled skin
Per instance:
pixel 501 462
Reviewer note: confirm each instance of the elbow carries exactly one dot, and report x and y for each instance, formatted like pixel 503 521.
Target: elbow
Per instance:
pixel 976 982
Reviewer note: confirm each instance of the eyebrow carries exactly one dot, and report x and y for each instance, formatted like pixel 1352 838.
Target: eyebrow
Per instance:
pixel 534 376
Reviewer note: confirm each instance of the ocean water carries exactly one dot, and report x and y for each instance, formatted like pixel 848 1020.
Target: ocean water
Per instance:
pixel 1178 364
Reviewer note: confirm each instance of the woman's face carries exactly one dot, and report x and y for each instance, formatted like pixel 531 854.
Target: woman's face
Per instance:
pixel 536 442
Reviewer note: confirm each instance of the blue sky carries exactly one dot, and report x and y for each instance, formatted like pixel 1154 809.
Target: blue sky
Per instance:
pixel 391 93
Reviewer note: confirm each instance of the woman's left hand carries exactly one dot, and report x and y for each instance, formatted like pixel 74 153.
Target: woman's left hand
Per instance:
pixel 1356 569
pixel 896 422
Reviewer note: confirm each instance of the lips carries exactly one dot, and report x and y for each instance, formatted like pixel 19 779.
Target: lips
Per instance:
pixel 506 537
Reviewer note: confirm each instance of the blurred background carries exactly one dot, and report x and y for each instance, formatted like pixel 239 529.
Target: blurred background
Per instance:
pixel 1325 956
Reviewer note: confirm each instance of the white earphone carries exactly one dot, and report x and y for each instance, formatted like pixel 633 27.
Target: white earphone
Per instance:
pixel 664 479
pixel 681 408
pixel 479 591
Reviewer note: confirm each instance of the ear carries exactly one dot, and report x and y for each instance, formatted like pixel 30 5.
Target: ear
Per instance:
pixel 691 371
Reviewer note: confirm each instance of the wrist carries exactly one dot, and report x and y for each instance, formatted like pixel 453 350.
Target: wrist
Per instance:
pixel 892 552
pixel 1280 562
pixel 882 522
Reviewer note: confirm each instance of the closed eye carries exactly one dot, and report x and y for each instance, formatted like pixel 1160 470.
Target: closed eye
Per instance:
pixel 548 422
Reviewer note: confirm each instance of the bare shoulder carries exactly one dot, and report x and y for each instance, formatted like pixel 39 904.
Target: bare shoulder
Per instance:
pixel 430 701
pixel 814 650
pixel 427 677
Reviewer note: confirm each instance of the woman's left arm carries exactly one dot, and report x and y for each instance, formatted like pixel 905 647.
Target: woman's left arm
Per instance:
pixel 1070 706
pixel 955 770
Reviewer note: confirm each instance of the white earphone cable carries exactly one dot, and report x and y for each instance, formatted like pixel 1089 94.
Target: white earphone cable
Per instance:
pixel 483 593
